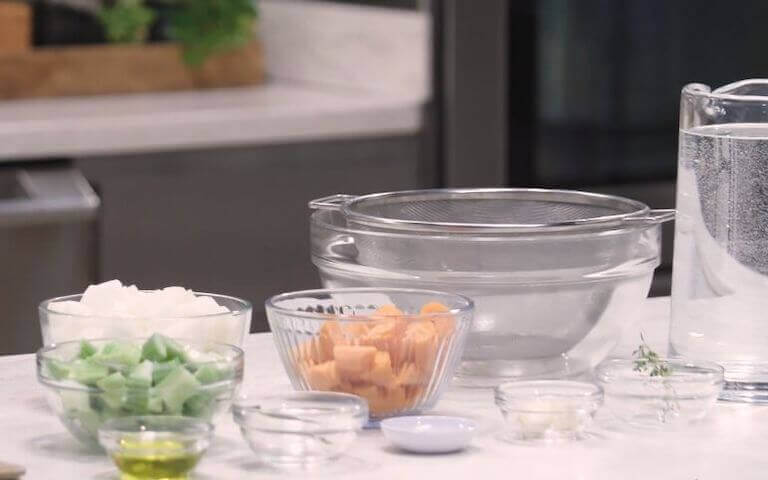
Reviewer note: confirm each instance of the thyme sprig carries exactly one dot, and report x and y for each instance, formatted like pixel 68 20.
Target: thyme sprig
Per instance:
pixel 646 360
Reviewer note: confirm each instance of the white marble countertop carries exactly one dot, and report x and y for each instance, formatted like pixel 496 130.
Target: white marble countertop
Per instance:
pixel 333 71
pixel 731 443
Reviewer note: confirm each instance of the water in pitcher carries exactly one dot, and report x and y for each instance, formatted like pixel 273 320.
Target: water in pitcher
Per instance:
pixel 720 283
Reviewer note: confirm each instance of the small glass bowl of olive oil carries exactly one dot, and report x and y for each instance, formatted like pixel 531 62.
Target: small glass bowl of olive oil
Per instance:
pixel 155 447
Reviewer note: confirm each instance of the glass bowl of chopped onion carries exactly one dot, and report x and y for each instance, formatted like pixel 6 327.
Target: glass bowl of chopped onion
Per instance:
pixel 114 310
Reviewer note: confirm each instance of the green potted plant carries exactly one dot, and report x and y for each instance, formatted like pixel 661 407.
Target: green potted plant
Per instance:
pixel 201 27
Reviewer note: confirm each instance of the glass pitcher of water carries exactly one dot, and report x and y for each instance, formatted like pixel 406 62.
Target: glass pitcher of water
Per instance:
pixel 720 274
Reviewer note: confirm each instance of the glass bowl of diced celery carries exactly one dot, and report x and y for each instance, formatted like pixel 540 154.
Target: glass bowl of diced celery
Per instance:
pixel 88 382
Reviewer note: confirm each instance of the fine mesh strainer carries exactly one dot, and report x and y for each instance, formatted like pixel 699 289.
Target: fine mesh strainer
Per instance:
pixel 490 210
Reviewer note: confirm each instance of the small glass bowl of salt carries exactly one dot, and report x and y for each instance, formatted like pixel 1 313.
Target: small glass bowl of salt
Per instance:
pixel 547 410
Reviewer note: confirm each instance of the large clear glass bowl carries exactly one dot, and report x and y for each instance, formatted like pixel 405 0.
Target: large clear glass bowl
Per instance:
pixel 230 328
pixel 550 303
pixel 339 340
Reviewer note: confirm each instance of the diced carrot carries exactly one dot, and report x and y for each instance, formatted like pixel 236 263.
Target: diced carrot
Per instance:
pixel 381 373
pixel 323 376
pixel 419 344
pixel 444 324
pixel 409 375
pixel 331 334
pixel 354 362
pixel 388 311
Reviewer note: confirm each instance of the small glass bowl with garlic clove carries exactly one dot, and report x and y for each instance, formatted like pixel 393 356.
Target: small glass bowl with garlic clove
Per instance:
pixel 547 410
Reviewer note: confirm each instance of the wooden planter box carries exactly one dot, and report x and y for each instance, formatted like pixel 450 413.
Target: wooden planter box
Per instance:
pixel 105 69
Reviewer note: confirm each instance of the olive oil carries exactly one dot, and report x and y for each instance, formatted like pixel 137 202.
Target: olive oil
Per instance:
pixel 154 459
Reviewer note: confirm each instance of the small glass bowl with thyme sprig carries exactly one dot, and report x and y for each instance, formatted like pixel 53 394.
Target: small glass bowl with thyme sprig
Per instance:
pixel 650 391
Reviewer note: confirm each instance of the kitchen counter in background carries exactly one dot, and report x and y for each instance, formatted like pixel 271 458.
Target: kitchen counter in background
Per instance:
pixel 334 72
pixel 279 112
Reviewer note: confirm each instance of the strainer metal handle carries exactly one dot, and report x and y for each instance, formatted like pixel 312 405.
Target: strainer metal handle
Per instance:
pixel 331 202
pixel 651 217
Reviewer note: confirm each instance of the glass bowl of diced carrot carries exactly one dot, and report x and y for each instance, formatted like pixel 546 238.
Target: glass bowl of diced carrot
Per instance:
pixel 396 348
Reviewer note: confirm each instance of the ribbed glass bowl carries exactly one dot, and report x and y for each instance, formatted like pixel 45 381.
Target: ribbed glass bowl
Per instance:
pixel 396 348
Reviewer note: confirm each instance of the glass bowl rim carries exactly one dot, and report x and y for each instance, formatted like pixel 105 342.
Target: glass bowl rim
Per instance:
pixel 199 429
pixel 723 92
pixel 468 305
pixel 244 307
pixel 522 232
pixel 199 426
pixel 582 393
pixel 41 357
pixel 708 371
pixel 245 405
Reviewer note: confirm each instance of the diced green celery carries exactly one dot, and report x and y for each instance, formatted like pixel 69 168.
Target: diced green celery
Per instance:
pixel 87 372
pixel 155 404
pixel 111 382
pixel 200 405
pixel 78 413
pixel 141 375
pixel 57 369
pixel 137 384
pixel 175 350
pixel 83 421
pixel 109 347
pixel 116 354
pixel 162 369
pixel 208 373
pixel 113 399
pixel 176 388
pixel 75 400
pixel 136 400
pixel 113 387
pixel 154 349
pixel 87 349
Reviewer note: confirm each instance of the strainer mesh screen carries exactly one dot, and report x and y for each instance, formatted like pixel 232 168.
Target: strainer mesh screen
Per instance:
pixel 467 210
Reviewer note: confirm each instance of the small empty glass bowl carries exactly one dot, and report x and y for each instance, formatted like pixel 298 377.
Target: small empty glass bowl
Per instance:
pixel 300 428
pixel 685 395
pixel 397 348
pixel 155 447
pixel 547 410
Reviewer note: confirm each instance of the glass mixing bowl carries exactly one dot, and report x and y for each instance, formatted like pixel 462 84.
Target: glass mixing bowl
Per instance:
pixel 85 393
pixel 554 274
pixel 396 348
